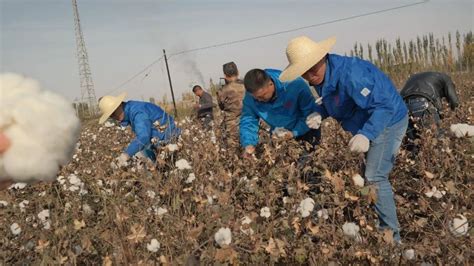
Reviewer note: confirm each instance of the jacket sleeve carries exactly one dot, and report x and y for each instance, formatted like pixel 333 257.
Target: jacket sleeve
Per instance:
pixel 221 99
pixel 450 92
pixel 370 93
pixel 143 126
pixel 249 125
pixel 206 101
pixel 307 105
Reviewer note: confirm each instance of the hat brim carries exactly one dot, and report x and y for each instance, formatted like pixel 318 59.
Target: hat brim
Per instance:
pixel 106 115
pixel 296 69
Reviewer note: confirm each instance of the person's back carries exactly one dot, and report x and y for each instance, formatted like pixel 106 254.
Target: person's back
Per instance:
pixel 433 86
pixel 230 98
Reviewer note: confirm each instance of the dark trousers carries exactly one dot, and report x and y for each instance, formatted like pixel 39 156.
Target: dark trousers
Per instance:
pixel 423 114
pixel 313 137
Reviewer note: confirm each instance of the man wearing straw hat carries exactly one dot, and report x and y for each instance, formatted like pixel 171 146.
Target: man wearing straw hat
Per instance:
pixel 365 102
pixel 152 126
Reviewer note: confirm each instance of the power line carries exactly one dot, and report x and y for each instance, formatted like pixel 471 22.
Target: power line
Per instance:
pixel 297 29
pixel 269 35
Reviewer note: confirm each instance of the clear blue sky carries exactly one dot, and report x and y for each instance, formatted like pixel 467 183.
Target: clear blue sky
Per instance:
pixel 122 37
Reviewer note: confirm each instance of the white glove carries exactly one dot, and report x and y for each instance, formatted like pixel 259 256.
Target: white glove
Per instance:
pixel 122 160
pixel 359 143
pixel 281 132
pixel 314 120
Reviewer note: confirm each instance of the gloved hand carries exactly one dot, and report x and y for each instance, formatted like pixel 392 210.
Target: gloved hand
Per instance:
pixel 359 143
pixel 314 120
pixel 282 133
pixel 122 160
pixel 249 152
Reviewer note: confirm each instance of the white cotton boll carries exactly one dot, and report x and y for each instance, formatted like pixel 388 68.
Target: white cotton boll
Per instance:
pixel 190 178
pixel 409 254
pixel 351 230
pixel 108 124
pixel 462 130
pixel 172 147
pixel 223 237
pixel 15 228
pixel 323 213
pixel 459 226
pixel 153 246
pixel 41 126
pixel 358 180
pixel 161 211
pixel 306 207
pixel 151 194
pixel 17 186
pixel 265 212
pixel 44 218
pixel 434 192
pixel 182 164
pixel 3 203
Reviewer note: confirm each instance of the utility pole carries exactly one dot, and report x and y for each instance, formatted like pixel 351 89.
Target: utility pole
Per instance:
pixel 85 77
pixel 171 86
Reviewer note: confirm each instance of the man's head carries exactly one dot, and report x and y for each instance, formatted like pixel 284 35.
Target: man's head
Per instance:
pixel 112 106
pixel 197 90
pixel 315 75
pixel 259 85
pixel 231 72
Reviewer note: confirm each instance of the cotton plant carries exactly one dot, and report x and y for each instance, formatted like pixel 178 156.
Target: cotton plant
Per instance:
pixel 358 180
pixel 409 254
pixel 306 207
pixel 182 164
pixel 44 218
pixel 459 226
pixel 351 230
pixel 153 246
pixel 323 214
pixel 434 192
pixel 265 212
pixel 190 178
pixel 245 225
pixel 15 229
pixel 46 144
pixel 223 237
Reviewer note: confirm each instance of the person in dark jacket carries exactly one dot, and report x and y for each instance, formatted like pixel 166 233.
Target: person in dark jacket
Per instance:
pixel 365 102
pixel 152 126
pixel 204 107
pixel 423 94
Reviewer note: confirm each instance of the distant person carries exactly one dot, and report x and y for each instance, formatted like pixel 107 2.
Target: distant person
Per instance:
pixel 365 102
pixel 423 94
pixel 205 107
pixel 230 99
pixel 152 126
pixel 284 106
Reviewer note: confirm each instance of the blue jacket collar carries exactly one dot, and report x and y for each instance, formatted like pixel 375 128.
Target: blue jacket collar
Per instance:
pixel 332 75
pixel 279 86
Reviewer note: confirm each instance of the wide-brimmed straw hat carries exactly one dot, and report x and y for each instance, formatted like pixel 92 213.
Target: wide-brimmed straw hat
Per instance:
pixel 108 104
pixel 303 53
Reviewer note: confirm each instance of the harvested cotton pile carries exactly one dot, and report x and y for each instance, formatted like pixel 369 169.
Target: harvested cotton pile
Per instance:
pixel 41 126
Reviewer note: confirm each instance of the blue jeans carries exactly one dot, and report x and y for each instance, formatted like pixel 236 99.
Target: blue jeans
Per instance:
pixel 379 163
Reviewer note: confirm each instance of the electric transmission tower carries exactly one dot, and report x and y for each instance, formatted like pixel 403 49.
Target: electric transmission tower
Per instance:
pixel 87 86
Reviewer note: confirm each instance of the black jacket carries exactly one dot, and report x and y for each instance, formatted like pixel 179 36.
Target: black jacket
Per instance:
pixel 206 105
pixel 433 86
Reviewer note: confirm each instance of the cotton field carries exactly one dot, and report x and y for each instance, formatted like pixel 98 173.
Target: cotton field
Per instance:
pixel 201 204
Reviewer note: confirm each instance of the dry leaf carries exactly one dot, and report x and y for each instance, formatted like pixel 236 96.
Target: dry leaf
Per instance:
pixel 276 248
pixel 78 225
pixel 314 229
pixel 336 181
pixel 225 254
pixel 42 244
pixel 138 233
pixel 107 261
pixel 163 260
pixel 372 196
pixel 429 175
pixel 388 236
pixel 296 224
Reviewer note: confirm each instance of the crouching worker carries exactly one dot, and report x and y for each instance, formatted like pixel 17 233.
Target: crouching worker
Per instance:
pixel 152 126
pixel 423 94
pixel 282 105
pixel 365 102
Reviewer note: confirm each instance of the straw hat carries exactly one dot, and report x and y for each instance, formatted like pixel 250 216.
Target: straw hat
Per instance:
pixel 108 104
pixel 303 53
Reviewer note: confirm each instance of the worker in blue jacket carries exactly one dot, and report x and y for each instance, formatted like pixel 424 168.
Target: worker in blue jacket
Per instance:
pixel 152 126
pixel 365 102
pixel 282 105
